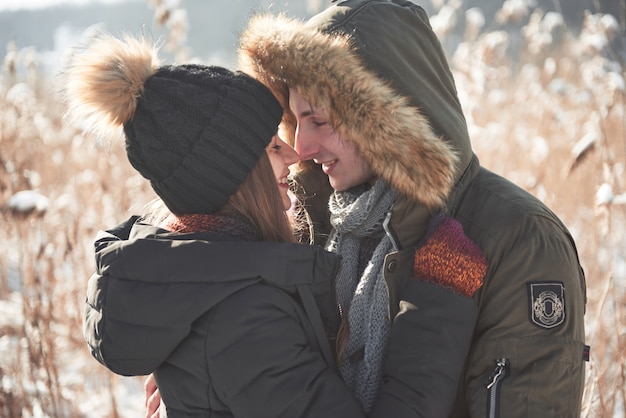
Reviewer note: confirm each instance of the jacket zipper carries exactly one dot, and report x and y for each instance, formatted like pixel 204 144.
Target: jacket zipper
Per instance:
pixel 392 236
pixel 493 387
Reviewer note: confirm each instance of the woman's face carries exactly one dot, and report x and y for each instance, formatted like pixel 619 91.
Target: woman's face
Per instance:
pixel 281 156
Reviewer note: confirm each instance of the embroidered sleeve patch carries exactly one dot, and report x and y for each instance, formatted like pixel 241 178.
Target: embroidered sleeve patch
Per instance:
pixel 546 304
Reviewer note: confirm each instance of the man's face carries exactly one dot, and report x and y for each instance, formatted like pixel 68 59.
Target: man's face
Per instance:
pixel 316 140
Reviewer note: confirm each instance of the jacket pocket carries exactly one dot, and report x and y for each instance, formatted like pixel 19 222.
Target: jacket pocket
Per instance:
pixel 527 377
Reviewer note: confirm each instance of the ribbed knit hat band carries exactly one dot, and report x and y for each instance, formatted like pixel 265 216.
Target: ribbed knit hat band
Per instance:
pixel 198 132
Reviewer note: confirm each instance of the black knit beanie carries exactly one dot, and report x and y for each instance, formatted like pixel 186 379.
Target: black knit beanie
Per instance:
pixel 197 132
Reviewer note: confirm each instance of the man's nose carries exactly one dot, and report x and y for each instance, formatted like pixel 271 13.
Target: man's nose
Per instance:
pixel 290 155
pixel 305 146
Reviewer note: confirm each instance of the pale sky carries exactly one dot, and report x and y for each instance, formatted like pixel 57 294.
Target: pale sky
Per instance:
pixel 11 5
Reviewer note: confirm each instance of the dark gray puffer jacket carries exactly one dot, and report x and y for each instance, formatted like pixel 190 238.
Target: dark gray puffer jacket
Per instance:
pixel 229 328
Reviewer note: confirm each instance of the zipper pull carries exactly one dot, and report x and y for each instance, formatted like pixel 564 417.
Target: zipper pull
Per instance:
pixel 392 236
pixel 493 387
pixel 501 368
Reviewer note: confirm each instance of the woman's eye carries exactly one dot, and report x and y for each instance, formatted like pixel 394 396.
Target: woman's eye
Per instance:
pixel 277 147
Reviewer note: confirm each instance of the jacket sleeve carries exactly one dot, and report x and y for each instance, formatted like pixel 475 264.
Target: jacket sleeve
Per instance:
pixel 92 316
pixel 432 332
pixel 430 339
pixel 531 317
pixel 263 363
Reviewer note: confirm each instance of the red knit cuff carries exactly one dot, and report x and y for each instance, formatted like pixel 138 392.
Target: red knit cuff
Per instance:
pixel 451 260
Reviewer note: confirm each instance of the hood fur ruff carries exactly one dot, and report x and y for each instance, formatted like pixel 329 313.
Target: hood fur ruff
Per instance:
pixel 393 136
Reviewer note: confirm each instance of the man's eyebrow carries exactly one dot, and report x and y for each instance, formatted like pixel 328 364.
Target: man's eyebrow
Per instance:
pixel 306 113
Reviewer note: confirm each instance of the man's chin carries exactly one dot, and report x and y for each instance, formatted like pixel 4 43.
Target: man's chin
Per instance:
pixel 337 185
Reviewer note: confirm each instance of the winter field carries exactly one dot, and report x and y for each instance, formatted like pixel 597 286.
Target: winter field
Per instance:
pixel 545 106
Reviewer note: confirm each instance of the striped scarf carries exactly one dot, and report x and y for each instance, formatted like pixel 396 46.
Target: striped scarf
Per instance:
pixel 229 225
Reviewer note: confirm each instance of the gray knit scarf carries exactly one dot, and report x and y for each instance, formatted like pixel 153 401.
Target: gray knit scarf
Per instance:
pixel 356 214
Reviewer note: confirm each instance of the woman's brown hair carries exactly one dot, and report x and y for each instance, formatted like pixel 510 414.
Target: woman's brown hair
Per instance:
pixel 259 202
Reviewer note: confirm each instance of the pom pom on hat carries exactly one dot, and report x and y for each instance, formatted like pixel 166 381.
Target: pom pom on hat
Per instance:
pixel 194 131
pixel 104 81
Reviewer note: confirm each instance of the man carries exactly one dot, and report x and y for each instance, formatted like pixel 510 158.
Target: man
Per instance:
pixel 370 100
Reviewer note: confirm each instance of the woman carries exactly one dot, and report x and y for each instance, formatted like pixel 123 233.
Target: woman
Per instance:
pixel 216 300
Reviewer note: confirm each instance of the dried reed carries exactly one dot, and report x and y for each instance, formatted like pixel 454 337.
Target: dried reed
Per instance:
pixel 545 107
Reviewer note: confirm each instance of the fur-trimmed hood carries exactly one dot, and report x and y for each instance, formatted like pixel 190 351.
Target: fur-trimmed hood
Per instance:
pixel 378 71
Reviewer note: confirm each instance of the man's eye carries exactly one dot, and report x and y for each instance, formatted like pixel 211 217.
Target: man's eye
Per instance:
pixel 277 147
pixel 319 123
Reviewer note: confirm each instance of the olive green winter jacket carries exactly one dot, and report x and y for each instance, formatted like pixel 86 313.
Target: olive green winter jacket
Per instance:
pixel 378 71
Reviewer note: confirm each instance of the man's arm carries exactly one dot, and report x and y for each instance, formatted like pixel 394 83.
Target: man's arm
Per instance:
pixel 431 334
pixel 531 320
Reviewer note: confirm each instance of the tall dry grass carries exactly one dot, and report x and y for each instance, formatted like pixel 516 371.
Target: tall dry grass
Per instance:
pixel 545 107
